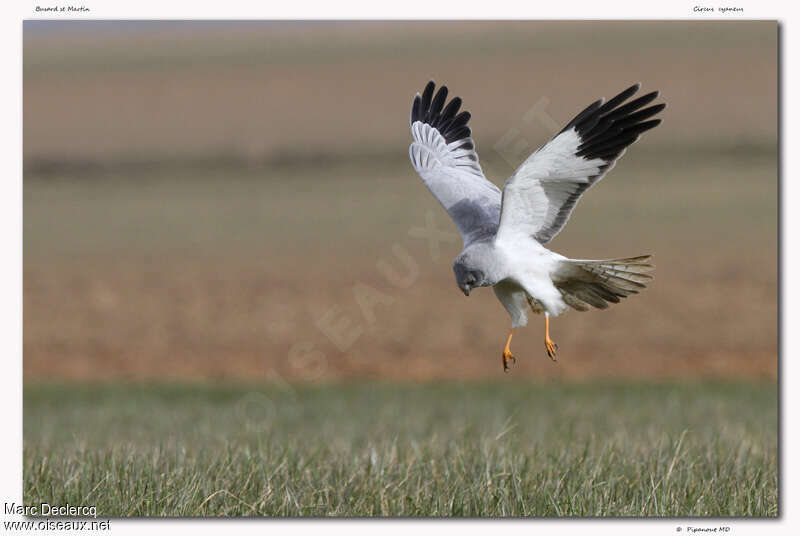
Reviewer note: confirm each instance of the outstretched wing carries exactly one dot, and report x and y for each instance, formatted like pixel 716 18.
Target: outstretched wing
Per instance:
pixel 443 154
pixel 538 199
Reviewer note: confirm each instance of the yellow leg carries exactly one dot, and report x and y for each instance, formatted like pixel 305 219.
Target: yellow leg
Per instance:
pixel 549 344
pixel 508 357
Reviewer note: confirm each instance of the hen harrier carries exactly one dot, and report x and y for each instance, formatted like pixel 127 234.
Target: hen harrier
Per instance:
pixel 504 233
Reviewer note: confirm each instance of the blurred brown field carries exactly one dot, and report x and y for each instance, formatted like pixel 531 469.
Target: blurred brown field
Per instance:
pixel 202 199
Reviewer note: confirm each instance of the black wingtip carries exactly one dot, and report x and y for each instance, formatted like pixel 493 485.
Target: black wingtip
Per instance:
pixel 607 130
pixel 619 98
pixel 427 95
pixel 442 115
pixel 416 108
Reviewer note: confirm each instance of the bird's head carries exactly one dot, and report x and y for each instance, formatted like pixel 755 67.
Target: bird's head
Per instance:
pixel 468 277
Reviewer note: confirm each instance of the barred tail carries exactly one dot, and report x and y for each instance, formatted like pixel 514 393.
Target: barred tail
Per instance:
pixel 583 282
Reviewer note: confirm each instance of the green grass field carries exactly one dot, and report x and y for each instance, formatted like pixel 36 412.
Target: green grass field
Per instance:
pixel 515 449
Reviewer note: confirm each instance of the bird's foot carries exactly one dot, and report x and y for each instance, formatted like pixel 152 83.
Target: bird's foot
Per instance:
pixel 508 357
pixel 551 348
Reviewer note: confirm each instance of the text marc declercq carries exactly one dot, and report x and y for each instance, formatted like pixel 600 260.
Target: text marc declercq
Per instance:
pixel 45 509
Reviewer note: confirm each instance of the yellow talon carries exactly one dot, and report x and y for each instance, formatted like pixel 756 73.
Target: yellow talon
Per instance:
pixel 551 348
pixel 508 357
pixel 549 344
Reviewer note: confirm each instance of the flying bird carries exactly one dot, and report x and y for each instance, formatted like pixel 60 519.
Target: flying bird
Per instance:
pixel 504 232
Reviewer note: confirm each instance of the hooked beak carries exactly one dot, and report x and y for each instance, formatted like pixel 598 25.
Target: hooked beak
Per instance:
pixel 465 288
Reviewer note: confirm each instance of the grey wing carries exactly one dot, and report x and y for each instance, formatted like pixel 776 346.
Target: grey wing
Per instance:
pixel 539 198
pixel 443 153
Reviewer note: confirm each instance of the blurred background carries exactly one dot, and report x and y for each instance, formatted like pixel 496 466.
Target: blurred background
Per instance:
pixel 239 300
pixel 224 200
